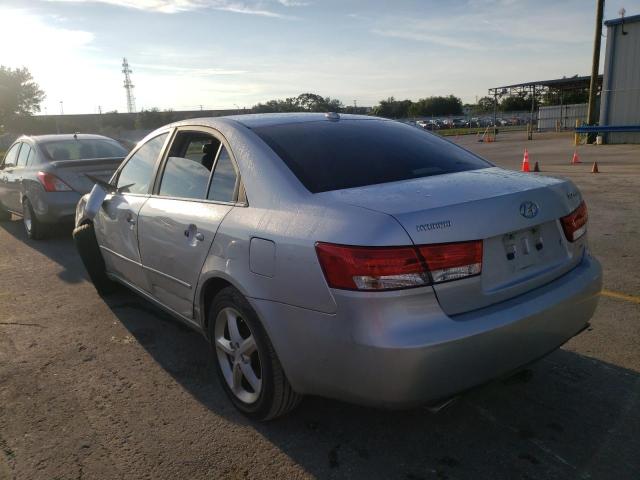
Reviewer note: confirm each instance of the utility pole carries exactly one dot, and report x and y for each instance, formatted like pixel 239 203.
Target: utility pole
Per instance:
pixel 128 86
pixel 595 66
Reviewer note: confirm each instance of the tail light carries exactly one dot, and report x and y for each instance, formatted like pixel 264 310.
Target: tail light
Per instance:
pixel 450 261
pixel 51 183
pixel 390 268
pixel 575 224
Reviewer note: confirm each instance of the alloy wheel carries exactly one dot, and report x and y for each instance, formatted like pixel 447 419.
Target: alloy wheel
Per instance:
pixel 238 355
pixel 26 217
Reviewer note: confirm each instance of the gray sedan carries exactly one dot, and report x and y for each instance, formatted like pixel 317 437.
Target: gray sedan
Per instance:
pixel 345 256
pixel 43 177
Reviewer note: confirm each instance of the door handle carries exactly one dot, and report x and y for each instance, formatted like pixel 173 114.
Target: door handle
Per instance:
pixel 131 220
pixel 192 232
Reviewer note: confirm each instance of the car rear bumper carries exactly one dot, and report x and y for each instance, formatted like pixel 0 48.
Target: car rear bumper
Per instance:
pixel 402 350
pixel 52 207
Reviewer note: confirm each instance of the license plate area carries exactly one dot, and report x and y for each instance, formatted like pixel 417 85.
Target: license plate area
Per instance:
pixel 524 248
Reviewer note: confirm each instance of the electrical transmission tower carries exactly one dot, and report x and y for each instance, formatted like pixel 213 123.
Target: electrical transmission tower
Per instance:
pixel 128 86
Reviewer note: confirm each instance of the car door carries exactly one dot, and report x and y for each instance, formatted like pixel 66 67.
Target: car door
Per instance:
pixel 16 177
pixel 198 187
pixel 116 223
pixel 7 175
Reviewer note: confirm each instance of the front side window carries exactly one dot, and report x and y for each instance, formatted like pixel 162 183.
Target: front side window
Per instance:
pixel 11 156
pixel 136 176
pixel 225 177
pixel 25 151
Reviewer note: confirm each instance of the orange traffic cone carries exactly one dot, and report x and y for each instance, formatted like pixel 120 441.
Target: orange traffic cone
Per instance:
pixel 536 168
pixel 576 158
pixel 594 169
pixel 525 162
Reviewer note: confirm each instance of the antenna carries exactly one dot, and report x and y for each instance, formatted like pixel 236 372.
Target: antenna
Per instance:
pixel 128 86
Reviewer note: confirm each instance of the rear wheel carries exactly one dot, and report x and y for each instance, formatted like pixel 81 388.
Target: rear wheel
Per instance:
pixel 84 238
pixel 36 230
pixel 246 361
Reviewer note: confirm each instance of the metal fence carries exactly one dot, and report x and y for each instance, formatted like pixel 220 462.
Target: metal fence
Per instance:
pixel 561 117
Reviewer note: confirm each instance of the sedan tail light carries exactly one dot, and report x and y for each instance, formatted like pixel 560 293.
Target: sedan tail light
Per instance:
pixel 51 183
pixel 575 224
pixel 450 261
pixel 391 268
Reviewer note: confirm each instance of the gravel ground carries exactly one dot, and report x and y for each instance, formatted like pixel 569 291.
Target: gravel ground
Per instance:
pixel 99 388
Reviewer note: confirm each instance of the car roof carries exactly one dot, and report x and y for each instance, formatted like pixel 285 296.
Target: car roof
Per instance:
pixel 65 136
pixel 268 119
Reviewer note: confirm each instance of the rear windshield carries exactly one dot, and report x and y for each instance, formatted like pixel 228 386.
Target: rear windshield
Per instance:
pixel 328 155
pixel 82 149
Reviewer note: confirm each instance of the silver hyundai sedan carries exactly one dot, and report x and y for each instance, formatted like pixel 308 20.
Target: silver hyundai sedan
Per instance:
pixel 345 256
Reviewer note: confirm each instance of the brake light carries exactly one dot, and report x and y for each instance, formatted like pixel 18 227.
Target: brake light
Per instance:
pixel 51 183
pixel 575 224
pixel 390 268
pixel 450 261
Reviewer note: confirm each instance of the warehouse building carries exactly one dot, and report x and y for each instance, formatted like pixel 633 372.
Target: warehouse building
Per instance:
pixel 620 97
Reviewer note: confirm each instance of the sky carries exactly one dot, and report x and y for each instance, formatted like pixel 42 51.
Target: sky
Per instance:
pixel 235 53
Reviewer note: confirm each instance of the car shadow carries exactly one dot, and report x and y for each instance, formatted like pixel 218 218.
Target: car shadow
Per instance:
pixel 568 416
pixel 573 417
pixel 57 246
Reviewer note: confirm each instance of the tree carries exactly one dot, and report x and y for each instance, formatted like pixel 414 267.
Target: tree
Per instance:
pixel 153 118
pixel 436 106
pixel 567 97
pixel 392 108
pixel 305 102
pixel 486 104
pixel 514 103
pixel 19 94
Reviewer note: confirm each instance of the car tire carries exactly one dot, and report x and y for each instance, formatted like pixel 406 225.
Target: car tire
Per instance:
pixel 275 396
pixel 84 238
pixel 35 229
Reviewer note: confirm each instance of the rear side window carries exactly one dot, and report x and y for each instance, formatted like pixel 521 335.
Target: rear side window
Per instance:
pixel 327 155
pixel 136 175
pixel 184 178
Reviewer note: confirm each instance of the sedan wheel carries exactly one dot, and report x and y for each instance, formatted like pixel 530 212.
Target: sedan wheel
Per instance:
pixel 26 218
pixel 238 355
pixel 247 363
pixel 35 228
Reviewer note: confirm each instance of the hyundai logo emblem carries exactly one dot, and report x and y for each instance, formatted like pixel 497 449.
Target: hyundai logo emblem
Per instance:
pixel 528 209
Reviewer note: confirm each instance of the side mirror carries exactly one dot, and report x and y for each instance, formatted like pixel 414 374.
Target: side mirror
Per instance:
pixel 95 200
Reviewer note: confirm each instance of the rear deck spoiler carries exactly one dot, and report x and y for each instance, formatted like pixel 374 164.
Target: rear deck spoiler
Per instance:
pixel 86 162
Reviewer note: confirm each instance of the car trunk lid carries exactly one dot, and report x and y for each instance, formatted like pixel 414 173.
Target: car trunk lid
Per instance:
pixel 73 172
pixel 515 215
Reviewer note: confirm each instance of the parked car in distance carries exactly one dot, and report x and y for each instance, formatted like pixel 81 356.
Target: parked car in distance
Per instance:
pixel 344 256
pixel 43 177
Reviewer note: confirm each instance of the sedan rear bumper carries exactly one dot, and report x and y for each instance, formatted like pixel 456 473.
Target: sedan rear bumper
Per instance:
pixel 398 350
pixel 52 207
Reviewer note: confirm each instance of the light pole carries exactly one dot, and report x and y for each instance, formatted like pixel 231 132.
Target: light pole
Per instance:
pixel 61 108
